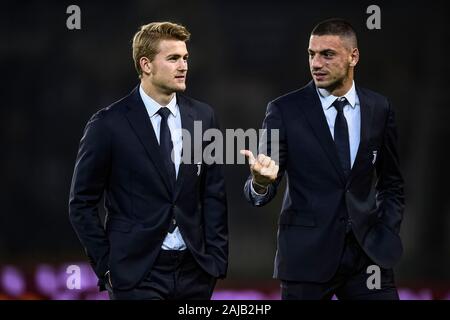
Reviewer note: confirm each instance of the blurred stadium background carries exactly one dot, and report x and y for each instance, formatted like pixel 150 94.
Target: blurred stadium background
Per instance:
pixel 242 55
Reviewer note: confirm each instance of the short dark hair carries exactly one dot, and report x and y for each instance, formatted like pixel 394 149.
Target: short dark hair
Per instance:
pixel 336 27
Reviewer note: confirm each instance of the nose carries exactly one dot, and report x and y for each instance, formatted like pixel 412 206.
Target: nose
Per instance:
pixel 316 62
pixel 183 65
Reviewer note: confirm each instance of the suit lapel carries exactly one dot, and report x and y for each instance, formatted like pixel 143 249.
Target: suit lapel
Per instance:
pixel 366 109
pixel 313 112
pixel 140 122
pixel 187 123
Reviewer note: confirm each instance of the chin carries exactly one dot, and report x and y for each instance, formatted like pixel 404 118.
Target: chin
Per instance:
pixel 180 85
pixel 327 85
pixel 177 88
pixel 321 84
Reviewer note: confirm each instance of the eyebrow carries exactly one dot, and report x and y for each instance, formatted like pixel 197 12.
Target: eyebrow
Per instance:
pixel 322 51
pixel 177 56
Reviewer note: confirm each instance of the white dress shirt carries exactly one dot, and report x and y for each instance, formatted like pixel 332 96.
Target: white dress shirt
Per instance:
pixel 174 240
pixel 352 114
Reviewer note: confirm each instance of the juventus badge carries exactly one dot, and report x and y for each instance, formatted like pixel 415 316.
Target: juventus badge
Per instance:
pixel 374 159
pixel 199 167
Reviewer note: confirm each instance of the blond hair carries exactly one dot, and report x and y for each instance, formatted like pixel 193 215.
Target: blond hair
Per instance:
pixel 146 40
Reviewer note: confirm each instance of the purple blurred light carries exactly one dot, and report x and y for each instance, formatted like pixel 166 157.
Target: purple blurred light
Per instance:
pixel 97 296
pixel 13 281
pixel 243 295
pixel 66 295
pixel 51 282
pixel 406 294
pixel 45 279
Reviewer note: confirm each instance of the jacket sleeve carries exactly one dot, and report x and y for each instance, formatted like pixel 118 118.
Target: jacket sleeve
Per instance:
pixel 215 211
pixel 88 183
pixel 390 197
pixel 274 144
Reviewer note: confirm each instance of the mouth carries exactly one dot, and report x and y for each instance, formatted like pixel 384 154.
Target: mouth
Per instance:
pixel 319 75
pixel 180 77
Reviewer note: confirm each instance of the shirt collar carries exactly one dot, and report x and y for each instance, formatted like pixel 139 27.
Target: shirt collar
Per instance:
pixel 153 107
pixel 327 99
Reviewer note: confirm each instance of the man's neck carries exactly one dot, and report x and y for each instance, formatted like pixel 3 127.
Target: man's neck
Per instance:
pixel 343 88
pixel 162 98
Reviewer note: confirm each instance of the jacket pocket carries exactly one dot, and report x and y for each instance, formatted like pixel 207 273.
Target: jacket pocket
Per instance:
pixel 294 218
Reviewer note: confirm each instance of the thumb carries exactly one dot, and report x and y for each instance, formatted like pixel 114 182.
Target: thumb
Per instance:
pixel 249 155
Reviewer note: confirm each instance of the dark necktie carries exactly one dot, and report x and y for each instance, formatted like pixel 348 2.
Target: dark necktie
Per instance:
pixel 341 138
pixel 166 147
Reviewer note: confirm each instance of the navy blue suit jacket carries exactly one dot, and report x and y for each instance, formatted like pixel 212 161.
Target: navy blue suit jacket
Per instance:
pixel 319 197
pixel 119 158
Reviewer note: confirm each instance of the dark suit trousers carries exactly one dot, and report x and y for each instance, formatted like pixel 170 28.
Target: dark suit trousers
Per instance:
pixel 349 282
pixel 175 275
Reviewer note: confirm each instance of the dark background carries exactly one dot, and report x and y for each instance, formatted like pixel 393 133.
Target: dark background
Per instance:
pixel 242 55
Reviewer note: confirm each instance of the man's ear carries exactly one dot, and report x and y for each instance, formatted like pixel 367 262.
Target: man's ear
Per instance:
pixel 146 65
pixel 354 57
